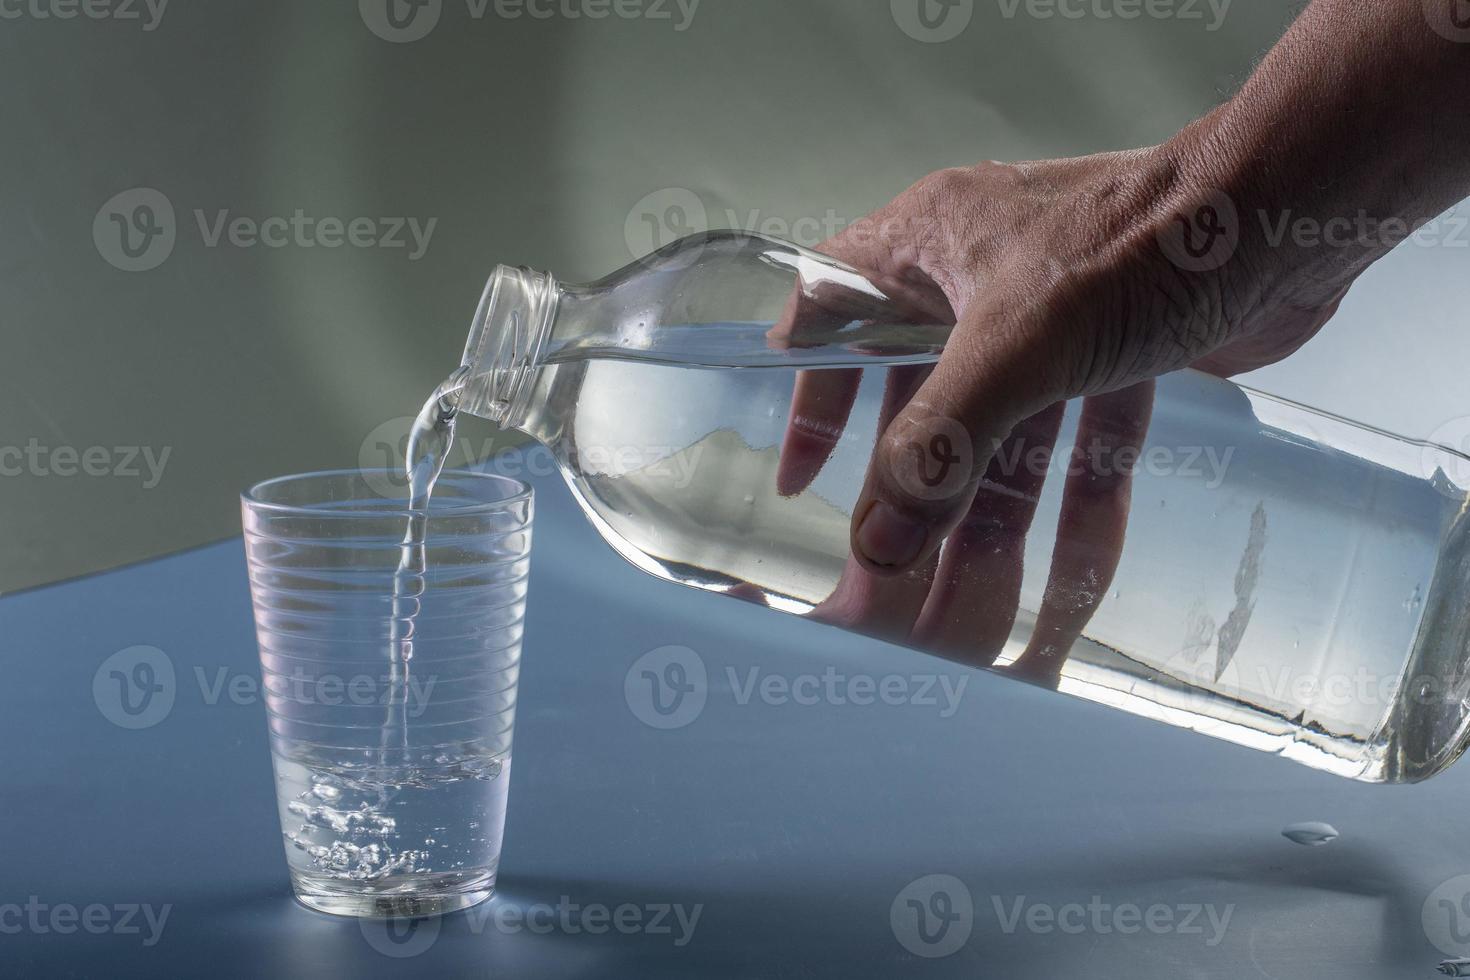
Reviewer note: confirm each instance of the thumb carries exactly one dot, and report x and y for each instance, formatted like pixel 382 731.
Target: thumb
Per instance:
pixel 930 460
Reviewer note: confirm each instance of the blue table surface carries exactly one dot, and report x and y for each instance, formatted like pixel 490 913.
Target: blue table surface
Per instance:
pixel 768 836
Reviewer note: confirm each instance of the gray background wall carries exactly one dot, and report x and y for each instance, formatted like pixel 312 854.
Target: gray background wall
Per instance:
pixel 566 143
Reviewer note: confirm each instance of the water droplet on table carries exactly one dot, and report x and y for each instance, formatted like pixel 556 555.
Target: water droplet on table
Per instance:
pixel 1310 834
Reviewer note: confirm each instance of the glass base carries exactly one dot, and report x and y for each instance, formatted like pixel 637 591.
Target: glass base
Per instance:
pixel 415 897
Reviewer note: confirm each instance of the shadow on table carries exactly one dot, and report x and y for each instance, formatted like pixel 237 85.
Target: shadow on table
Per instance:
pixel 1308 911
pixel 1337 907
pixel 841 923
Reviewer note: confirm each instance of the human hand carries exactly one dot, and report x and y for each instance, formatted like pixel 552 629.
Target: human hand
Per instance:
pixel 1065 278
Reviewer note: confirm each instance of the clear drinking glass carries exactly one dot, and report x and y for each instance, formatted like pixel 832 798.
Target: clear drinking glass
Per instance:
pixel 390 692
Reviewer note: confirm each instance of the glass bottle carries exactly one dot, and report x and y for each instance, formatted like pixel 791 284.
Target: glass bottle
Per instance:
pixel 1190 551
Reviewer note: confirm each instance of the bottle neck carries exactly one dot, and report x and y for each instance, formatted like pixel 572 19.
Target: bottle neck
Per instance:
pixel 506 342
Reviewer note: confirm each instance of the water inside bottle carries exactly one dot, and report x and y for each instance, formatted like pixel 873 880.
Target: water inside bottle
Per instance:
pixel 1254 580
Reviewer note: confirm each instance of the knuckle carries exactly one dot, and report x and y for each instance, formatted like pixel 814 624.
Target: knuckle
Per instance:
pixel 944 187
pixel 943 207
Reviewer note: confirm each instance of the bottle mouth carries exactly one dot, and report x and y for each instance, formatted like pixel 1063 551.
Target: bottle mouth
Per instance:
pixel 504 346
